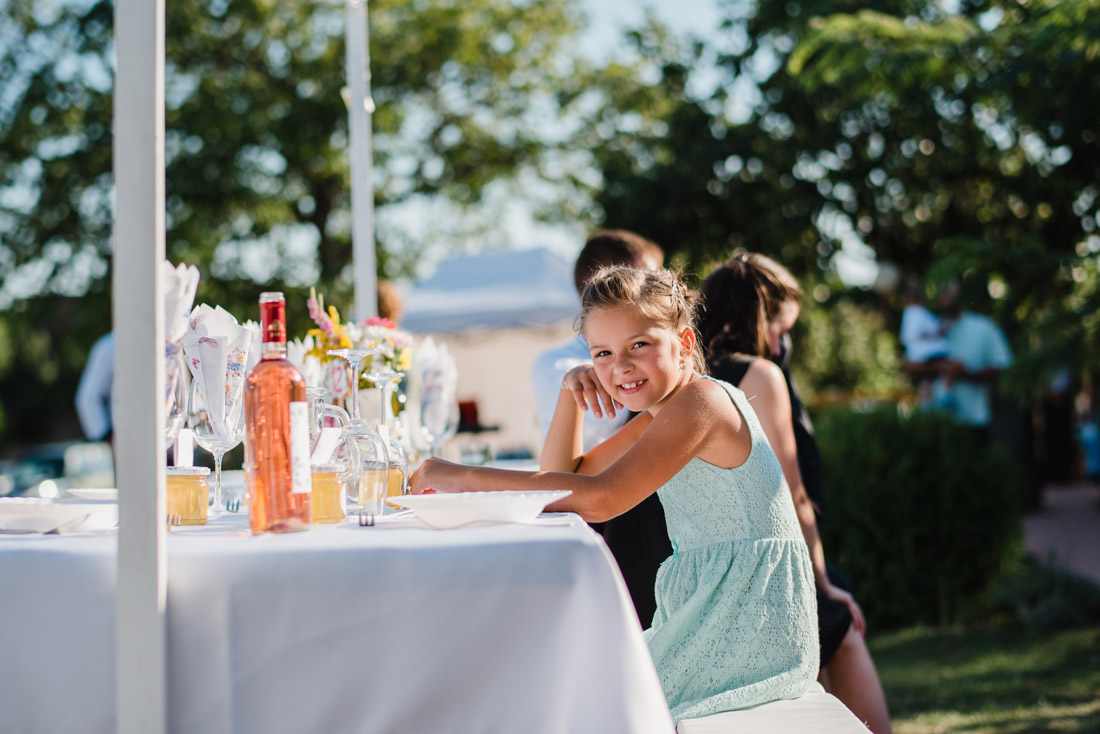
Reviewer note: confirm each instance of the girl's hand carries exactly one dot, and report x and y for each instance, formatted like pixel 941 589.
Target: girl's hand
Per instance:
pixel 842 596
pixel 435 475
pixel 589 392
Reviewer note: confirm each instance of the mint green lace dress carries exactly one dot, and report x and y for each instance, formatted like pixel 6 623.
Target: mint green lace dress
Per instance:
pixel 736 621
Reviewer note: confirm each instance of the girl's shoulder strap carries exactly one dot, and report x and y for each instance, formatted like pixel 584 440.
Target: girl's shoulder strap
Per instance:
pixel 743 405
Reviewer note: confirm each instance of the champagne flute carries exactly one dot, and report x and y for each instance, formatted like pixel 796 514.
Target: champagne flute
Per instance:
pixel 216 434
pixel 398 459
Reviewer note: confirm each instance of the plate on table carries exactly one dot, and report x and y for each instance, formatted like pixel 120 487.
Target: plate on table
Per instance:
pixel 450 510
pixel 87 493
pixel 37 514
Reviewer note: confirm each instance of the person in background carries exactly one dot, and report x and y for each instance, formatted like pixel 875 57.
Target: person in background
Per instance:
pixel 94 403
pixel 977 355
pixel 734 625
pixel 923 337
pixel 747 307
pixel 390 304
pixel 638 539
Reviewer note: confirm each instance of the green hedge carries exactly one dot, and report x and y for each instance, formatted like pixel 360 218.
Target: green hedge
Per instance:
pixel 920 513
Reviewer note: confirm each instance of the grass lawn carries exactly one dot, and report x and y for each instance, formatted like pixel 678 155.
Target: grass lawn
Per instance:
pixel 1003 681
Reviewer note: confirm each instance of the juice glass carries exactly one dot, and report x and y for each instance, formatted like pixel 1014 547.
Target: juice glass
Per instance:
pixel 328 485
pixel 188 493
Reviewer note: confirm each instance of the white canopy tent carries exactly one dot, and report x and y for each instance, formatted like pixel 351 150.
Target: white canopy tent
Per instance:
pixel 138 320
pixel 493 290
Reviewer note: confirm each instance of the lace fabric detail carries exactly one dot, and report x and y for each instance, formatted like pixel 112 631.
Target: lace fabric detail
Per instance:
pixel 736 620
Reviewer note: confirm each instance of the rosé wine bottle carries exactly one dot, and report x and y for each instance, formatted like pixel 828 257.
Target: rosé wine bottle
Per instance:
pixel 276 449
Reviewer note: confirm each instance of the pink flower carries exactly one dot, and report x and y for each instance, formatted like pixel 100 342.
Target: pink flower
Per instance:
pixel 380 321
pixel 323 320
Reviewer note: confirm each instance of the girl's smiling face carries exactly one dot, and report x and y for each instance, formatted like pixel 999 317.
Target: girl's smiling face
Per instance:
pixel 639 362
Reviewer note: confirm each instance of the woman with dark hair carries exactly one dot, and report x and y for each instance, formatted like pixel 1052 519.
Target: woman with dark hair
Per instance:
pixel 747 307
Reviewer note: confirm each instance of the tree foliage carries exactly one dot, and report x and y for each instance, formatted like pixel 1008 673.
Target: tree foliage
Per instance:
pixel 256 147
pixel 951 142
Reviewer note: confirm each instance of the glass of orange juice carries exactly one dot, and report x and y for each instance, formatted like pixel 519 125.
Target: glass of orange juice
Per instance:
pixel 327 499
pixel 188 493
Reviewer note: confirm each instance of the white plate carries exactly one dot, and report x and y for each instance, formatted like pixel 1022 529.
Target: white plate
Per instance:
pixel 39 514
pixel 93 494
pixel 450 510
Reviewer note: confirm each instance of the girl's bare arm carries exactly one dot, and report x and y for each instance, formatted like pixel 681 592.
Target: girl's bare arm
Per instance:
pixel 697 418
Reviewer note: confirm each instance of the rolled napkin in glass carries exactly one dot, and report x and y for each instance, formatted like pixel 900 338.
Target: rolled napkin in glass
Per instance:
pixel 180 282
pixel 217 349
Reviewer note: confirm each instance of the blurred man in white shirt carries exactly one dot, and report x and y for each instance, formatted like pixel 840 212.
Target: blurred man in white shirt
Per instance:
pixel 94 403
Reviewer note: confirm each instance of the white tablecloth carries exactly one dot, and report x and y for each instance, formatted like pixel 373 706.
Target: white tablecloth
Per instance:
pixel 511 629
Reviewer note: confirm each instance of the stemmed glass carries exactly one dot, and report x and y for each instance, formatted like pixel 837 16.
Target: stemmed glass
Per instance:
pixel 216 436
pixel 374 460
pixel 399 461
pixel 175 409
pixel 440 417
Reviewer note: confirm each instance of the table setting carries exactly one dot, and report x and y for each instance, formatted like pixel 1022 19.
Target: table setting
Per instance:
pixel 488 626
pixel 472 612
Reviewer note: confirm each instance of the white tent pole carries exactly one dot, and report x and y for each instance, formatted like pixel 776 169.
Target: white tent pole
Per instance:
pixel 139 381
pixel 360 106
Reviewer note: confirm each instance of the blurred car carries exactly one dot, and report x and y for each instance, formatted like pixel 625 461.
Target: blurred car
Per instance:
pixel 50 469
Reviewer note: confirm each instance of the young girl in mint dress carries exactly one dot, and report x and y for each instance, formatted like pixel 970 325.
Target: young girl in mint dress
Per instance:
pixel 736 621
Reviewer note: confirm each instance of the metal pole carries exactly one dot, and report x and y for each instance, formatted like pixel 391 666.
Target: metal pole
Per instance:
pixel 138 318
pixel 360 107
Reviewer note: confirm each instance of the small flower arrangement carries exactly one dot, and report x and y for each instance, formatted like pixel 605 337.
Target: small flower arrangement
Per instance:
pixel 331 333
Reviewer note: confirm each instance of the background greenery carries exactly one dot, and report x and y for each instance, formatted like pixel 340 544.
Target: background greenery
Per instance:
pixel 949 138
pixel 921 513
pixel 992 680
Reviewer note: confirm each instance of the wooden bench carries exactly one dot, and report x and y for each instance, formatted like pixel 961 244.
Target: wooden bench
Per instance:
pixel 814 712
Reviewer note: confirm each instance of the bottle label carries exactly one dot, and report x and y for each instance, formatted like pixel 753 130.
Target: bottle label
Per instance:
pixel 300 480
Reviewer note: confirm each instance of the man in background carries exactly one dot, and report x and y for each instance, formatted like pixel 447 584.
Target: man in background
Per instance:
pixel 977 354
pixel 93 393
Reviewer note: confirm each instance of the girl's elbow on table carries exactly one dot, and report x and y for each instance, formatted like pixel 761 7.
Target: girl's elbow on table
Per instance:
pixel 593 504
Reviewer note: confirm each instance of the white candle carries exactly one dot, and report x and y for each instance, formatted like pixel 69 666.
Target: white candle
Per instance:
pixel 183 453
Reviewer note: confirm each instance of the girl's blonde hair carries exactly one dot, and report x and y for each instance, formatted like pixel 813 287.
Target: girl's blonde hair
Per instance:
pixel 659 295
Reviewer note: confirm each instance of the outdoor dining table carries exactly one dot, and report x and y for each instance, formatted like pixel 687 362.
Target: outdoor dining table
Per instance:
pixel 391 628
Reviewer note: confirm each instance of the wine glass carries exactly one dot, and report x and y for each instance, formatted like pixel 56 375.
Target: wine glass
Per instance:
pixel 374 461
pixel 216 431
pixel 175 389
pixel 441 418
pixel 399 460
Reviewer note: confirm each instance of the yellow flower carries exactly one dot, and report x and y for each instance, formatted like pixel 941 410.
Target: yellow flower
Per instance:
pixel 402 360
